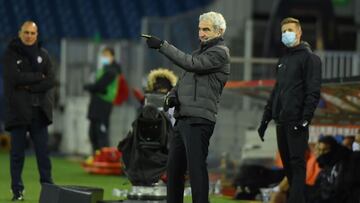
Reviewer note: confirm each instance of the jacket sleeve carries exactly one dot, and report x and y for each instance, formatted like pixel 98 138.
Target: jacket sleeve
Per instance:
pixel 268 107
pixel 101 84
pixel 174 91
pixel 312 86
pixel 48 82
pixel 209 61
pixel 13 74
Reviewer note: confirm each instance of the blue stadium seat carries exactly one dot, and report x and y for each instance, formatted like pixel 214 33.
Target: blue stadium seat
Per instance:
pixel 171 7
pixel 149 8
pixel 132 18
pixel 45 19
pixel 21 11
pixel 67 18
pixel 4 22
pixel 109 13
pixel 86 18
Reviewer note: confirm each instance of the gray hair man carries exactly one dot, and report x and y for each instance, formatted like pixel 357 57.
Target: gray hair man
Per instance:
pixel 195 98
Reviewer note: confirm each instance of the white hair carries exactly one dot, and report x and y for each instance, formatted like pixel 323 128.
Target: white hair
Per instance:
pixel 216 18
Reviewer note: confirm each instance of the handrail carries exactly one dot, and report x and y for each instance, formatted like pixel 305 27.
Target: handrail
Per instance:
pixel 335 65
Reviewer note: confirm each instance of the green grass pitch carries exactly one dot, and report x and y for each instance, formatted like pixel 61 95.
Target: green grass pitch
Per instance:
pixel 65 172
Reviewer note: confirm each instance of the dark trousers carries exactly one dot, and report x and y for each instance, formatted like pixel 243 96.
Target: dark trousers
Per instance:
pixel 99 134
pixel 189 150
pixel 292 146
pixel 39 135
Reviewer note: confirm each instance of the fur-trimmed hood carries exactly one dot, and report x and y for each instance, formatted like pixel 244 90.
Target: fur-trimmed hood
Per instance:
pixel 155 74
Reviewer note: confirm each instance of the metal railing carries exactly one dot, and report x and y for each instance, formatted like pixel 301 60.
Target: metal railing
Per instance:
pixel 340 65
pixel 79 59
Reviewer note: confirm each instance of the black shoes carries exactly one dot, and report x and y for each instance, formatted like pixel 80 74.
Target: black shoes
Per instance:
pixel 18 196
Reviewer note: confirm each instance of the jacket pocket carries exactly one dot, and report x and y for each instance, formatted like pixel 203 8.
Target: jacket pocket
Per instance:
pixel 291 109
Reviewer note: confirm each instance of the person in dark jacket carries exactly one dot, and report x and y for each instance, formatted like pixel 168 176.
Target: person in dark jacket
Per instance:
pixel 292 104
pixel 103 92
pixel 339 178
pixel 28 81
pixel 195 97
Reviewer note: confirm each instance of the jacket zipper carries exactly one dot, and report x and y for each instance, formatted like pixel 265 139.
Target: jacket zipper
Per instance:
pixel 195 78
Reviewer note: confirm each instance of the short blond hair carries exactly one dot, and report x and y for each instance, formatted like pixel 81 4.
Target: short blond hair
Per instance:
pixel 291 20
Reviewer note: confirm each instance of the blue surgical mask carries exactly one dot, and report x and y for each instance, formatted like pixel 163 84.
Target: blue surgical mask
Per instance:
pixel 355 146
pixel 288 38
pixel 104 61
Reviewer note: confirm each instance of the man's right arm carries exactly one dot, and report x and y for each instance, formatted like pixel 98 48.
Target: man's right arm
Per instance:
pixel 267 115
pixel 210 61
pixel 18 78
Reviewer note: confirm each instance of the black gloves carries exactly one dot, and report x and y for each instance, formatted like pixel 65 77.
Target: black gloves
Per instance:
pixel 171 100
pixel 301 125
pixel 154 42
pixel 262 128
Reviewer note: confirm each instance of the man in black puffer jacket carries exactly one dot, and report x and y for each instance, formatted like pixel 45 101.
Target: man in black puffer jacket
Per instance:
pixel 196 98
pixel 28 80
pixel 292 104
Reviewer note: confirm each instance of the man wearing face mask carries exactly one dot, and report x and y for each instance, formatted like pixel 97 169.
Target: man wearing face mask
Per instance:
pixel 28 82
pixel 195 97
pixel 103 92
pixel 292 104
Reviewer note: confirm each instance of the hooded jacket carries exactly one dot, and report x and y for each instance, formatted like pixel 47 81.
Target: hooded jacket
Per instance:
pixel 26 77
pixel 206 71
pixel 296 93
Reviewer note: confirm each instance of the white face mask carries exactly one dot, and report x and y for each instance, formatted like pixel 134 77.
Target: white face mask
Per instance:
pixel 355 146
pixel 104 60
pixel 288 38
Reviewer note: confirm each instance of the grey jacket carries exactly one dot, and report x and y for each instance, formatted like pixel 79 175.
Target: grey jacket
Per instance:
pixel 206 71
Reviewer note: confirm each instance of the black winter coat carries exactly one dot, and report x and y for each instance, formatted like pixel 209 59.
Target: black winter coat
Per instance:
pixel 22 81
pixel 297 90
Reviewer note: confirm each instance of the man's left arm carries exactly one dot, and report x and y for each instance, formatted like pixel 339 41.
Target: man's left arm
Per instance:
pixel 209 61
pixel 312 86
pixel 48 82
